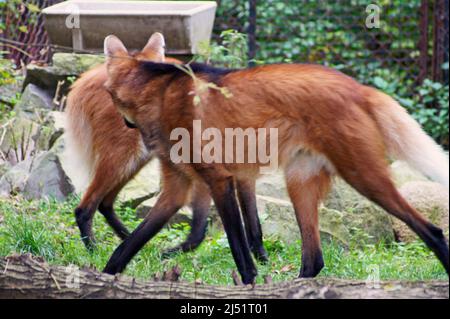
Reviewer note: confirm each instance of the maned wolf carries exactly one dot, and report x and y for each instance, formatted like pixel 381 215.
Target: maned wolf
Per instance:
pixel 327 123
pixel 112 154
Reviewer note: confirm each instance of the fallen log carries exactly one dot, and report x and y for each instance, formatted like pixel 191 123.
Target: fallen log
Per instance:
pixel 24 276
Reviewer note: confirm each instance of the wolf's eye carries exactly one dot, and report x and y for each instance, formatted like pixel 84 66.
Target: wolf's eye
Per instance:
pixel 129 124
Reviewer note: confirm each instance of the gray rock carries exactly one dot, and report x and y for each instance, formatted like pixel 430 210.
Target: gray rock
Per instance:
pixel 57 120
pixel 24 137
pixel 14 180
pixel 47 78
pixel 65 67
pixel 145 185
pixel 18 141
pixel 48 179
pixel 345 227
pixel 363 218
pixel 343 197
pixel 272 185
pixel 73 63
pixel 431 200
pixel 4 167
pixel 403 173
pixel 51 130
pixel 278 218
pixel 34 104
pixel 9 92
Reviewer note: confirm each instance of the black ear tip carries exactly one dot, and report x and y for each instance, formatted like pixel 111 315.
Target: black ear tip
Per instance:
pixel 129 124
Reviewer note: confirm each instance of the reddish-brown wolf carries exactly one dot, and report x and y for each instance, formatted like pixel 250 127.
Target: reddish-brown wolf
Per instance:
pixel 328 124
pixel 111 154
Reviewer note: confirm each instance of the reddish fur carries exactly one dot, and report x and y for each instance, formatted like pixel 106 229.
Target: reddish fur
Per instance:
pixel 116 155
pixel 108 132
pixel 318 112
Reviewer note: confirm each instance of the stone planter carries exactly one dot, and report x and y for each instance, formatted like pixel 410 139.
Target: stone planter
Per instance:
pixel 83 25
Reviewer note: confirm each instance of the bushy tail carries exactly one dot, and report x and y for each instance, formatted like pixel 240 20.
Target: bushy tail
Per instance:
pixel 79 156
pixel 406 140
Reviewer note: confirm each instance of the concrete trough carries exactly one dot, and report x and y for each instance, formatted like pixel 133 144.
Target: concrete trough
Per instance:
pixel 83 25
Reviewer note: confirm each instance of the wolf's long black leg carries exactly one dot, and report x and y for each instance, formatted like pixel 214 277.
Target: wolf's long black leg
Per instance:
pixel 224 197
pixel 247 200
pixel 84 216
pixel 151 225
pixel 201 203
pixel 173 197
pixel 106 208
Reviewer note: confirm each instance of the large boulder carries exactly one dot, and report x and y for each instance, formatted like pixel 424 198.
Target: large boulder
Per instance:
pixel 145 185
pixel 363 218
pixel 51 130
pixel 431 200
pixel 66 66
pixel 18 142
pixel 34 104
pixel 24 137
pixel 48 179
pixel 4 167
pixel 343 197
pixel 277 218
pixel 9 91
pixel 272 185
pixel 73 63
pixel 403 173
pixel 345 227
pixel 14 180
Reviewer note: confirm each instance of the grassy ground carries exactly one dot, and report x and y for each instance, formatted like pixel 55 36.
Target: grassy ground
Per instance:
pixel 48 229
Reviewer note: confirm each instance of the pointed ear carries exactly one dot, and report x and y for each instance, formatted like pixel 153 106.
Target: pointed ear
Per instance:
pixel 113 46
pixel 155 47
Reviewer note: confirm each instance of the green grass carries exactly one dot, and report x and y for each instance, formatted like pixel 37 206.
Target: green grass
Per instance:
pixel 48 229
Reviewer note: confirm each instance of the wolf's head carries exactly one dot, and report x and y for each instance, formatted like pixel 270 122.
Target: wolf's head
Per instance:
pixel 127 85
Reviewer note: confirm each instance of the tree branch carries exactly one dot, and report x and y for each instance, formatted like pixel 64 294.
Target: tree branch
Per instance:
pixel 24 276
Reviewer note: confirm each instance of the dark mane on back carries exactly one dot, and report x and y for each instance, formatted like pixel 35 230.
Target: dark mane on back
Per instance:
pixel 213 73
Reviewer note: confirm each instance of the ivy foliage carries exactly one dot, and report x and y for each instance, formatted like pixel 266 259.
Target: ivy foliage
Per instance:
pixel 334 33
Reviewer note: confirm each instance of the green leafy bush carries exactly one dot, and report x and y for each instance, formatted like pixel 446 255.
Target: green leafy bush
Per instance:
pixel 15 8
pixel 428 104
pixel 231 52
pixel 334 34
pixel 9 79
